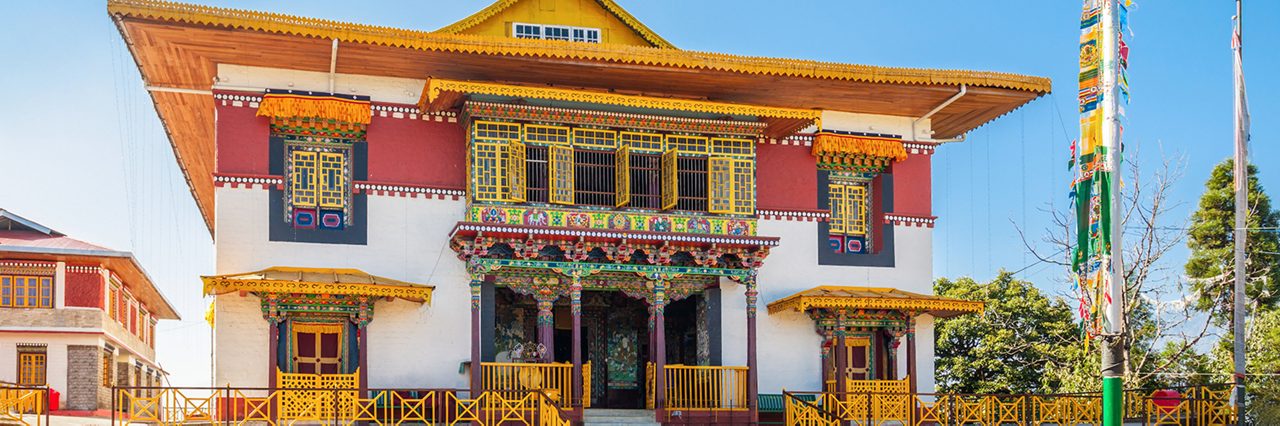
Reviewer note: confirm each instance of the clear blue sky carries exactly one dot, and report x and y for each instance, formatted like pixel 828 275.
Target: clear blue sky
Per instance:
pixel 83 152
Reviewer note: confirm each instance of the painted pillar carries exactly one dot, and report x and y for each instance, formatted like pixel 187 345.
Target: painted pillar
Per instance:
pixel 273 352
pixel 911 354
pixel 660 349
pixel 825 364
pixel 363 332
pixel 546 323
pixel 752 370
pixel 842 357
pixel 476 282
pixel 575 309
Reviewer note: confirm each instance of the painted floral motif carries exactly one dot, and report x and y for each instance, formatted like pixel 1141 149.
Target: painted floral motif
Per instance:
pixel 619 221
pixel 536 217
pixel 578 220
pixel 698 225
pixel 736 227
pixel 493 215
pixel 660 224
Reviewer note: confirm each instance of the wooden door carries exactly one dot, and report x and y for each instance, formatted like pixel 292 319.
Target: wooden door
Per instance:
pixel 317 348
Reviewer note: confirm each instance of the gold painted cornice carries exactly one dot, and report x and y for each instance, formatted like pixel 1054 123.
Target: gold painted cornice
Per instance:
pixel 436 87
pixel 351 282
pixel 838 297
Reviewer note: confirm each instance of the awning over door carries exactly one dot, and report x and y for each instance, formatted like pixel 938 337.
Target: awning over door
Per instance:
pixel 879 298
pixel 331 281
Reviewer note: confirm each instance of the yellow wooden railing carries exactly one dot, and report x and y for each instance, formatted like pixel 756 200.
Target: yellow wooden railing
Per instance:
pixel 696 387
pixel 22 405
pixel 305 396
pixel 873 386
pixel 239 407
pixel 1198 406
pixel 554 379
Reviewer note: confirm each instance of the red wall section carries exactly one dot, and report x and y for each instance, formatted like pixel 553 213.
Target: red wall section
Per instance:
pixel 912 192
pixel 417 152
pixel 243 138
pixel 786 178
pixel 84 289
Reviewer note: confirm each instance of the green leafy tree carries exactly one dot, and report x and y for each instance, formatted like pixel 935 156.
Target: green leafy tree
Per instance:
pixel 1012 346
pixel 1211 240
pixel 1262 354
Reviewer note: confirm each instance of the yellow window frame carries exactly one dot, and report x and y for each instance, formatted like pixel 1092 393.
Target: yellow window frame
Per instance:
pixel 32 368
pixel 331 182
pixel 489 170
pixel 848 203
pixel 670 179
pixel 687 144
pixel 547 135
pixel 561 175
pixel 517 180
pixel 496 130
pixel 595 138
pixel 744 186
pixel 318 359
pixel 622 176
pixel 642 142
pixel 733 147
pixel 720 185
pixel 302 178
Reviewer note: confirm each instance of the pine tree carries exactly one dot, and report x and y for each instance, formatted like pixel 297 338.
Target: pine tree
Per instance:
pixel 1211 265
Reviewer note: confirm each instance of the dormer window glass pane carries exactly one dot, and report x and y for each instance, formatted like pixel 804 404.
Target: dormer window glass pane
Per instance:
pixel 555 32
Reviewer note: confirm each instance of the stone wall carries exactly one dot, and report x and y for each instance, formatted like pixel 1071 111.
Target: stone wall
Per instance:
pixel 84 372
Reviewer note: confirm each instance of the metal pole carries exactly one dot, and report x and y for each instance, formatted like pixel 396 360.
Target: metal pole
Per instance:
pixel 1242 201
pixel 1113 355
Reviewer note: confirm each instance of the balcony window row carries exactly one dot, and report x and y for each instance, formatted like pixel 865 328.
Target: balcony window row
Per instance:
pixel 127 311
pixel 18 291
pixel 552 164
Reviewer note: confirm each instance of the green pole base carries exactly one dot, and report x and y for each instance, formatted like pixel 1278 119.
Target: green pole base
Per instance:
pixel 1112 401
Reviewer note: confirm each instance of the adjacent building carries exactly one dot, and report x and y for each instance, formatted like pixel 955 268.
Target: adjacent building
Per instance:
pixel 75 317
pixel 397 208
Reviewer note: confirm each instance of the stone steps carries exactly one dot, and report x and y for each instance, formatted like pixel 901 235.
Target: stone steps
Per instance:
pixel 604 416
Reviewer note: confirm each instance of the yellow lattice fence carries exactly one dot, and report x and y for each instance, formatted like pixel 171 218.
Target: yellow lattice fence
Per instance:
pixel 553 379
pixel 22 405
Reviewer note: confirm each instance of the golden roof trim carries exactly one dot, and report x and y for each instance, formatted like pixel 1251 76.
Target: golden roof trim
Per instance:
pixel 609 5
pixel 221 284
pixel 422 40
pixel 902 301
pixel 435 87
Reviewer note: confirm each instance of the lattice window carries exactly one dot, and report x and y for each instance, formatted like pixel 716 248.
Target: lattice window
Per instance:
pixel 848 204
pixel 642 142
pixel 497 130
pixel 488 171
pixel 19 291
pixel 303 178
pixel 517 180
pixel 593 138
pixel 622 177
pixel 670 180
pixel 720 185
pixel 594 177
pixel 108 366
pixel 330 181
pixel 733 147
pixel 744 186
pixel 685 144
pixel 561 174
pixel 550 135
pixel 31 366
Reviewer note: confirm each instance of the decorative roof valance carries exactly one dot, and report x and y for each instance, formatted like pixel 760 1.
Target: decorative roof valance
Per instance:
pixel 318 281
pixel 857 152
pixel 289 105
pixel 846 297
pixel 441 94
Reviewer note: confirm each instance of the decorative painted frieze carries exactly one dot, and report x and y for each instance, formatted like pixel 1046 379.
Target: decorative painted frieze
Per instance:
pixel 578 220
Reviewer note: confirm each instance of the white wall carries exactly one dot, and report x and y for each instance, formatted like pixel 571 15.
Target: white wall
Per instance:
pixel 788 347
pixel 410 344
pixel 380 89
pixel 55 355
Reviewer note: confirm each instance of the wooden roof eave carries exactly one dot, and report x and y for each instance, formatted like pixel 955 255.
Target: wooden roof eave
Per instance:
pixel 941 307
pixel 250 282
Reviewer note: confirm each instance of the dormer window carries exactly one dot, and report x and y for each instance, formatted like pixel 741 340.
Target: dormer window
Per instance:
pixel 556 32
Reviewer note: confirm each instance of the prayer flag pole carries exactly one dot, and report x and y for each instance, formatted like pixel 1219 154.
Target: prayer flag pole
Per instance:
pixel 1242 201
pixel 1113 354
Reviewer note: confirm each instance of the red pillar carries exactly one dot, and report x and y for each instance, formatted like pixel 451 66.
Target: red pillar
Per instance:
pixel 752 366
pixel 660 351
pixel 546 326
pixel 475 337
pixel 575 309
